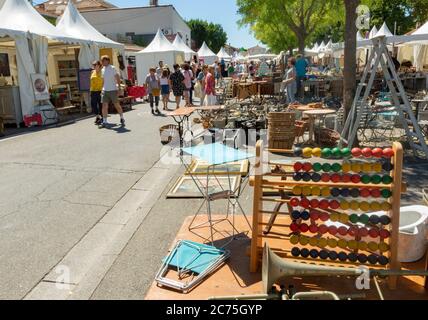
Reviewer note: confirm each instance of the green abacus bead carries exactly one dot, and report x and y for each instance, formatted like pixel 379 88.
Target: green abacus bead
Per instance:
pixel 336 152
pixel 326 167
pixel 386 193
pixel 386 179
pixel 336 167
pixel 353 218
pixel 326 153
pixel 364 219
pixel 376 179
pixel 365 179
pixel 317 167
pixel 346 152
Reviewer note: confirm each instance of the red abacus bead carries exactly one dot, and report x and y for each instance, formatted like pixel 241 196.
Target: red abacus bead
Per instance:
pixel 377 152
pixel 304 227
pixel 373 233
pixel 346 178
pixel 355 178
pixel 324 216
pixel 388 153
pixel 313 228
pixel 332 230
pixel 315 215
pixel 383 233
pixel 367 152
pixel 356 152
pixel 294 202
pixel 363 232
pixel 334 204
pixel 325 177
pixel 353 231
pixel 294 227
pixel 324 204
pixel 305 203
pixel 335 177
pixel 365 193
pixel 343 231
pixel 315 203
pixel 298 166
pixel 375 193
pixel 307 166
pixel 323 229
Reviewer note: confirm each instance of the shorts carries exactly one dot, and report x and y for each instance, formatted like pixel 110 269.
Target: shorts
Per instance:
pixel 109 96
pixel 165 89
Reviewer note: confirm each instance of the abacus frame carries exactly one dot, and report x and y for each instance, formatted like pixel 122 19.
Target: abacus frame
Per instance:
pixel 260 181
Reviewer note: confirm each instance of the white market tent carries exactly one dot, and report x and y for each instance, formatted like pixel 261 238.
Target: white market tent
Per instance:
pixel 160 49
pixel 416 51
pixel 74 25
pixel 181 46
pixel 21 23
pixel 222 54
pixel 207 55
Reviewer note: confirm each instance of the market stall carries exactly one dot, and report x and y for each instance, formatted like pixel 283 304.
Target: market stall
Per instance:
pixel 222 54
pixel 181 46
pixel 206 55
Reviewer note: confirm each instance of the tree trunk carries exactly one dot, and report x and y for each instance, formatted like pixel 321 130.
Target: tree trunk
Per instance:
pixel 349 71
pixel 301 40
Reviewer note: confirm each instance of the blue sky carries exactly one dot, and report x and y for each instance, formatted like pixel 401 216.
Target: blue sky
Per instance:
pixel 218 11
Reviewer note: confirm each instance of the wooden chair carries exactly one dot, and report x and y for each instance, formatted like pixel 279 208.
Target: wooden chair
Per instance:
pixel 301 127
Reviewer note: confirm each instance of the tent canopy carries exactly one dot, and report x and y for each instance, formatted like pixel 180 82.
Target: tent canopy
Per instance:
pixel 19 19
pixel 205 52
pixel 159 44
pixel 74 25
pixel 222 54
pixel 181 46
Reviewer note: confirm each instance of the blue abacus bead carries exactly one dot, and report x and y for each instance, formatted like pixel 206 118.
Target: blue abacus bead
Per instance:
pixel 295 252
pixel 355 193
pixel 297 176
pixel 383 260
pixel 345 192
pixel 335 192
pixel 316 177
pixel 374 219
pixel 343 256
pixel 304 253
pixel 305 215
pixel 323 254
pixel 298 152
pixel 295 215
pixel 385 220
pixel 362 258
pixel 372 258
pixel 332 255
pixel 352 257
pixel 306 177
pixel 387 166
pixel 314 253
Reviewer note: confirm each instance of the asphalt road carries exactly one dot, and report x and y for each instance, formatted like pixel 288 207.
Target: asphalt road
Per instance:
pixel 56 184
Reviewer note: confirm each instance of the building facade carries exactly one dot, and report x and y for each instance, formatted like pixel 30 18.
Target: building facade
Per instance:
pixel 57 7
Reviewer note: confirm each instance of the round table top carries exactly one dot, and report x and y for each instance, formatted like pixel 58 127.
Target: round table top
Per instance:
pixel 420 100
pixel 319 112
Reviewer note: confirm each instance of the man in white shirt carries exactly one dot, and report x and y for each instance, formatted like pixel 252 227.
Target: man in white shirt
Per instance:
pixel 110 93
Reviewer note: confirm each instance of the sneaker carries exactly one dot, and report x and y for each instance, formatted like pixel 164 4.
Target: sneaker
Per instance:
pixel 103 124
pixel 157 111
pixel 153 111
pixel 122 122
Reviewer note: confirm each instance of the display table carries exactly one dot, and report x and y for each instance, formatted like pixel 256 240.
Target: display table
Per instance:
pixel 312 115
pixel 180 116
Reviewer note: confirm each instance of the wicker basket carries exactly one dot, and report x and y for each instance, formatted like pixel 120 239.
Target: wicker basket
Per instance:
pixel 281 130
pixel 168 132
pixel 327 137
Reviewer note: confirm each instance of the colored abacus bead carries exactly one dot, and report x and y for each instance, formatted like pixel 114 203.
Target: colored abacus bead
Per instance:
pixel 313 241
pixel 334 217
pixel 307 166
pixel 335 192
pixel 303 240
pixel 326 167
pixel 324 204
pixel 346 167
pixel 346 152
pixel 336 153
pixel 335 178
pixel 316 177
pixel 346 178
pixel 367 167
pixel 384 234
pixel 307 152
pixel 294 239
pixel 297 190
pixel 387 166
pixel 373 246
pixel 294 227
pixel 355 193
pixel 306 177
pixel 354 205
pixel 304 252
pixel 343 231
pixel 356 152
pixel 362 258
pixel 297 176
pixel 322 242
pixel 374 219
pixel 367 152
pixel 354 218
pixel 343 218
pixel 364 206
pixel 324 215
pixel 298 166
pixel 334 204
pixel 383 247
pixel 342 256
pixel 294 202
pixel 345 192
pixel 305 203
pixel 377 167
pixel 316 191
pixel 386 206
pixel 323 254
pixel 386 179
pixel 377 152
pixel 295 215
pixel 306 191
pixel 373 233
pixel 355 178
pixel 363 232
pixel 388 153
pixel 317 167
pixel 375 193
pixel 375 206
pixel 316 152
pixel 352 257
pixel 365 193
pixel 295 252
pixel 332 243
pixel 383 260
pixel 365 179
pixel 305 215
pixel 376 179
pixel 341 243
pixel 315 203
pixel 313 228
pixel 325 177
pixel 325 192
pixel 298 152
pixel 323 229
pixel 364 219
pixel 336 167
pixel 372 259
pixel 355 167
pixel 313 253
pixel 314 215
pixel 352 244
pixel 353 231
pixel 326 153
pixel 385 220
pixel 332 230
pixel 332 255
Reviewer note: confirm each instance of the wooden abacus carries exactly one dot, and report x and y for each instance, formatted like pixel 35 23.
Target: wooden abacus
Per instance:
pixel 387 232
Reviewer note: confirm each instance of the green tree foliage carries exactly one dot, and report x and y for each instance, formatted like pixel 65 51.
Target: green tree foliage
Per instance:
pixel 213 34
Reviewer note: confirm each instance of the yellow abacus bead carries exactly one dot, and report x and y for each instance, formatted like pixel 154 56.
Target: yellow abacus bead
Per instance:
pixel 375 206
pixel 297 191
pixel 334 217
pixel 307 152
pixel 313 241
pixel 377 167
pixel 346 167
pixel 364 206
pixel 332 243
pixel 325 192
pixel 344 205
pixel 354 205
pixel 386 206
pixel 383 247
pixel 342 244
pixel 362 245
pixel 303 240
pixel 316 152
pixel 306 191
pixel 356 167
pixel 316 191
pixel 343 218
pixel 322 243
pixel 372 246
pixel 294 239
pixel 352 244
pixel 367 167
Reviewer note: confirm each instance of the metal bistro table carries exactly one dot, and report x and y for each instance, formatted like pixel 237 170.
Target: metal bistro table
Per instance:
pixel 313 114
pixel 420 104
pixel 180 116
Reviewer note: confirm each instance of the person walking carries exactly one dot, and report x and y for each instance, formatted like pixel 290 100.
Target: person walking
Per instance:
pixel 165 88
pixel 201 81
pixel 210 98
pixel 110 91
pixel 96 88
pixel 153 88
pixel 290 81
pixel 188 76
pixel 177 84
pixel 159 69
pixel 301 69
